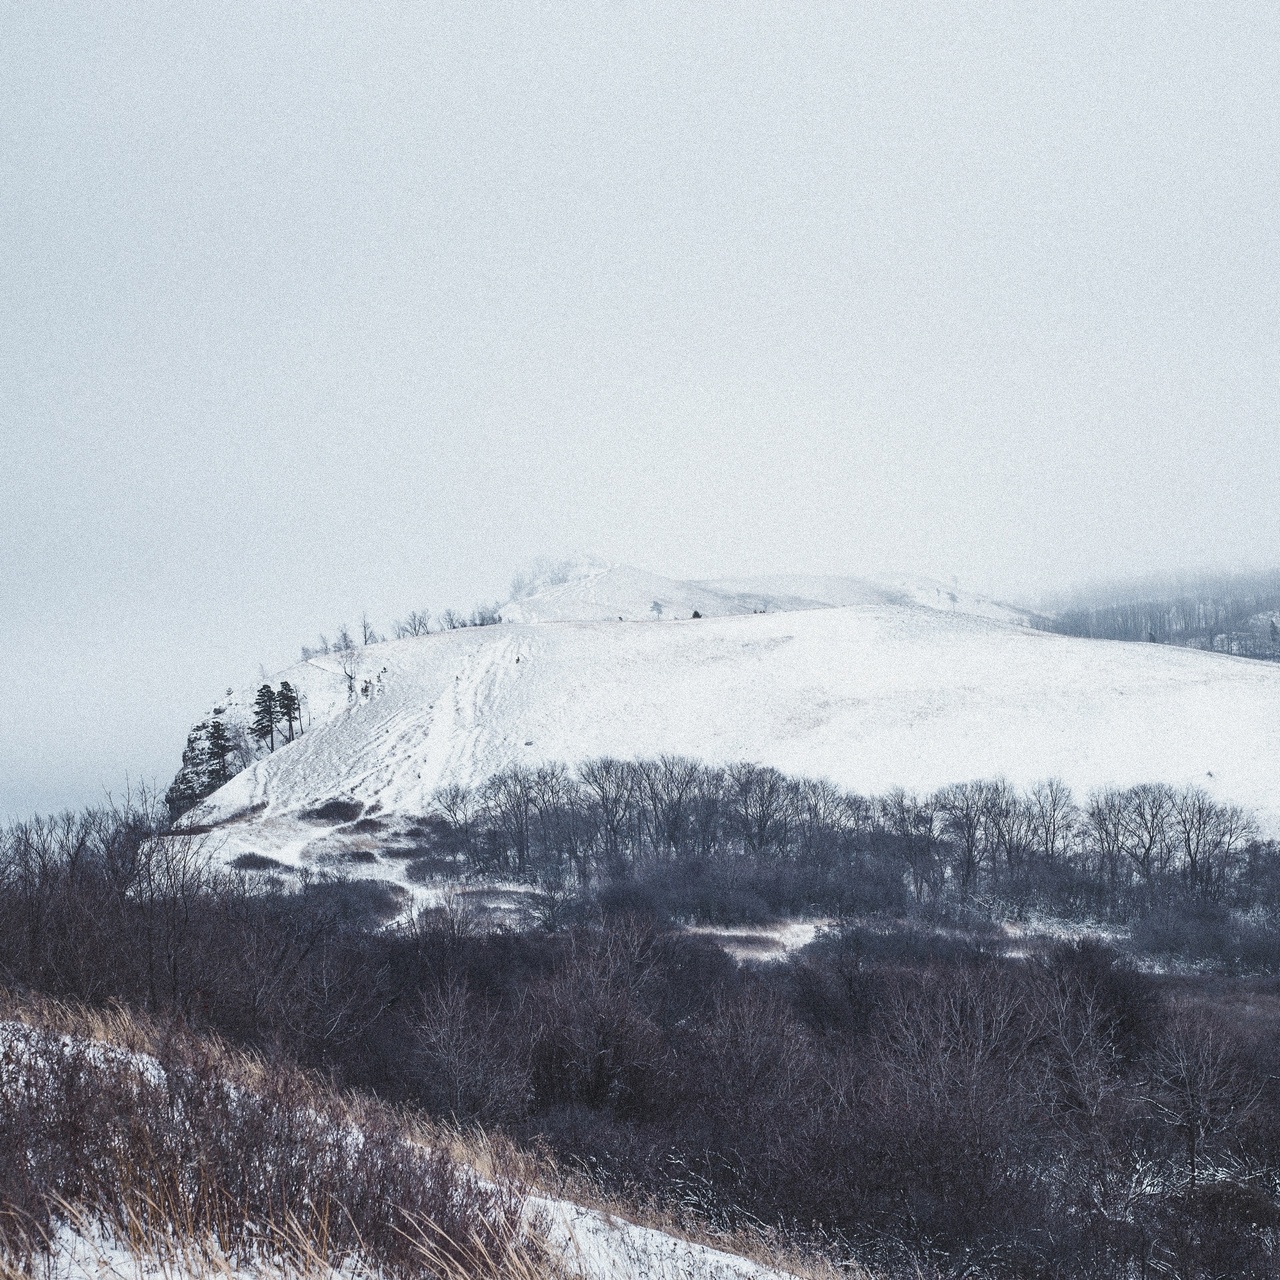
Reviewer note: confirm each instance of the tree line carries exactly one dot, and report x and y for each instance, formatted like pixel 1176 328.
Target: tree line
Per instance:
pixel 418 622
pixel 1234 614
pixel 275 707
pixel 805 843
pixel 218 749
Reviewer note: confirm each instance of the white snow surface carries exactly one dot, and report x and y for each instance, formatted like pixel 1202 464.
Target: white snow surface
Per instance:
pixel 598 592
pixel 872 695
pixel 619 593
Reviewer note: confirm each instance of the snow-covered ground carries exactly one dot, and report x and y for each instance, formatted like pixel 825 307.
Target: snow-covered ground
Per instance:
pixel 591 1245
pixel 872 695
pixel 623 594
pixel 762 942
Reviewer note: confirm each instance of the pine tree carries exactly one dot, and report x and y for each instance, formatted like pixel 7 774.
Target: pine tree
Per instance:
pixel 288 707
pixel 217 750
pixel 266 715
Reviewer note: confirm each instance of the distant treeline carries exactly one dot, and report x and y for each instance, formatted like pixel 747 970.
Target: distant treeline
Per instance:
pixel 709 841
pixel 418 622
pixel 1230 613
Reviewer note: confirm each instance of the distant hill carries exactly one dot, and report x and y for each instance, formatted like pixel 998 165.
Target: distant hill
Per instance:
pixel 598 592
pixel 873 694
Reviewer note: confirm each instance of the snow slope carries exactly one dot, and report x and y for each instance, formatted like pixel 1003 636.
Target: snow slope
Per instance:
pixel 872 696
pixel 619 593
pixel 598 592
pixel 878 589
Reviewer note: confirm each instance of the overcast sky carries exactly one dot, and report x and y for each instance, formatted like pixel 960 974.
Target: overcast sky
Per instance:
pixel 313 308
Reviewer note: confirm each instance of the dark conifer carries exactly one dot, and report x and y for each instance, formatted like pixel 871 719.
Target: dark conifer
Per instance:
pixel 288 707
pixel 217 752
pixel 266 715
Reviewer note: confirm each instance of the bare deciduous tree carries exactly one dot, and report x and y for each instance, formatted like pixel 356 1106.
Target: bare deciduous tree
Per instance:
pixel 1197 1085
pixel 416 624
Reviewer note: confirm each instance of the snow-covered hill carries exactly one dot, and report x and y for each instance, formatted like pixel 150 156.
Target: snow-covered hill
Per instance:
pixel 619 593
pixel 872 695
pixel 598 592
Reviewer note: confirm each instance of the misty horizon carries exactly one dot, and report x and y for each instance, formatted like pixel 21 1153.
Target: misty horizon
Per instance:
pixel 309 314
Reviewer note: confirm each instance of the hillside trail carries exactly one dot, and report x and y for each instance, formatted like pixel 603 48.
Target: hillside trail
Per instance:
pixel 396 748
pixel 454 737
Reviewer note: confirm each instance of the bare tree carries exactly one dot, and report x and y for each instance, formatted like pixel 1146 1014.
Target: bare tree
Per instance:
pixel 1053 818
pixel 1145 816
pixel 413 626
pixel 349 665
pixel 1105 818
pixel 913 824
pixel 1197 1085
pixel 509 798
pixel 962 808
pixel 1008 826
pixel 460 806
pixel 610 783
pixel 665 787
pixel 459 1045
pixel 1212 838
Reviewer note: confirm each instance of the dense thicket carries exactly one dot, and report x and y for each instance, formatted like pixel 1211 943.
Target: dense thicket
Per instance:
pixel 900 1086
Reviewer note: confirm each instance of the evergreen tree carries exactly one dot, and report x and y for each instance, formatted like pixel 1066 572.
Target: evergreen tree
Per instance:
pixel 289 707
pixel 217 751
pixel 266 715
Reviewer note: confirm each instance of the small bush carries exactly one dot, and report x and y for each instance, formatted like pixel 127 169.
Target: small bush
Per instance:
pixel 357 857
pixel 423 870
pixel 333 811
pixel 258 862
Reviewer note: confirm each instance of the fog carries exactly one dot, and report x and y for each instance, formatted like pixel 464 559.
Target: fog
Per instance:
pixel 310 310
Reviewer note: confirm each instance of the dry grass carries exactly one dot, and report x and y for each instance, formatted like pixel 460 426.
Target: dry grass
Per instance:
pixel 495 1156
pixel 164 1233
pixel 170 1155
pixel 290 1252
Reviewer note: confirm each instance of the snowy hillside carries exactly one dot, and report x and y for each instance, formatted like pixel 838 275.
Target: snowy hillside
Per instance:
pixel 819 590
pixel 620 593
pixel 872 696
pixel 598 592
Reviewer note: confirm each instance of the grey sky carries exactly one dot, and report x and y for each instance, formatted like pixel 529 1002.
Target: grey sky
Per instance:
pixel 308 309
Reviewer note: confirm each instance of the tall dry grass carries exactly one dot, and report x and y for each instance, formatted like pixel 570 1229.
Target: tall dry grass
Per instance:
pixel 190 1159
